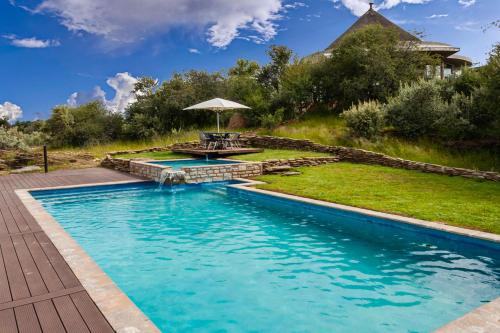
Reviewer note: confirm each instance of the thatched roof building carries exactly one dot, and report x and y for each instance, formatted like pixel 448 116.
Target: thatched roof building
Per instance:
pixel 452 63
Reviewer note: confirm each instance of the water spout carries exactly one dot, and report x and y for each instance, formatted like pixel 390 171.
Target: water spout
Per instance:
pixel 172 177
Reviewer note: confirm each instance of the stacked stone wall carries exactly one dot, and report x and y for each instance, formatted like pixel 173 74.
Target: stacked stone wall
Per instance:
pixel 201 174
pixel 363 156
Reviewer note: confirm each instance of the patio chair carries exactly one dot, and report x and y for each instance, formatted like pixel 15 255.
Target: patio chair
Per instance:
pixel 204 140
pixel 232 141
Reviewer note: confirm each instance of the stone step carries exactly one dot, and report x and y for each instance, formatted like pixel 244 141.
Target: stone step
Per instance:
pixel 277 169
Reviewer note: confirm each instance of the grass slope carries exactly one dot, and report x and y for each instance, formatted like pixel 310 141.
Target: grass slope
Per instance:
pixel 453 200
pixel 331 130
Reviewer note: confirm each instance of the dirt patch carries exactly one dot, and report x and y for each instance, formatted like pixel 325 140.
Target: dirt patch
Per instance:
pixel 16 159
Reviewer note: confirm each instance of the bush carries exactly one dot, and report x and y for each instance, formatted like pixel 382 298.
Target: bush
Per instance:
pixel 453 122
pixel 12 138
pixel 413 112
pixel 270 120
pixel 366 119
pixel 87 124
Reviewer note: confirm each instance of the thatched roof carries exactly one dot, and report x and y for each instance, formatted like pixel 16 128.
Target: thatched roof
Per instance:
pixel 373 17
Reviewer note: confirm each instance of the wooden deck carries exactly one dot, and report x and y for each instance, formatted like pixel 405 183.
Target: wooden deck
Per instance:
pixel 38 290
pixel 218 153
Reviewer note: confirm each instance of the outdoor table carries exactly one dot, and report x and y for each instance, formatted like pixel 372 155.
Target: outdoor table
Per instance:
pixel 218 138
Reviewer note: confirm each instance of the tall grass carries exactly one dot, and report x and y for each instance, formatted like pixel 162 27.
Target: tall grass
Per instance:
pixel 331 130
pixel 101 150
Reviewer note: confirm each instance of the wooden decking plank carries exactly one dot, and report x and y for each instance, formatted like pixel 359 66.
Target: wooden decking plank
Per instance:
pixel 16 215
pixel 45 268
pixel 18 287
pixel 8 321
pixel 5 295
pixel 90 313
pixel 3 225
pixel 30 270
pixel 10 223
pixel 62 269
pixel 38 290
pixel 20 181
pixel 27 320
pixel 69 315
pixel 48 317
pixel 28 218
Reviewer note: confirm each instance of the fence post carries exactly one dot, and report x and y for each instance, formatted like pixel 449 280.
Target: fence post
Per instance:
pixel 45 159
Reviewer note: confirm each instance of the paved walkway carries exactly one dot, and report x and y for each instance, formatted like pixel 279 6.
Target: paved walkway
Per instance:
pixel 38 290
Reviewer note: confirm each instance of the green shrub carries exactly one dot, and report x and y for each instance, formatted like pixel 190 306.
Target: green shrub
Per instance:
pixel 366 119
pixel 453 122
pixel 12 138
pixel 86 124
pixel 270 120
pixel 413 112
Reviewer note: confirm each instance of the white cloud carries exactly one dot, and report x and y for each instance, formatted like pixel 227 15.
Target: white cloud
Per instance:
pixel 32 43
pixel 125 21
pixel 122 84
pixel 466 3
pixel 294 5
pixel 82 97
pixel 359 7
pixel 437 16
pixel 470 26
pixel 195 51
pixel 10 111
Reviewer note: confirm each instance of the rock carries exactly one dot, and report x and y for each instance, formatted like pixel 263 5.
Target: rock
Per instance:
pixel 291 173
pixel 31 168
pixel 278 168
pixel 236 121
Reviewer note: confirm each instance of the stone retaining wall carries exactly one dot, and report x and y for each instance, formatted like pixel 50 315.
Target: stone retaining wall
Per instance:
pixel 298 162
pixel 119 164
pixel 362 156
pixel 200 174
pixel 143 169
pixel 222 172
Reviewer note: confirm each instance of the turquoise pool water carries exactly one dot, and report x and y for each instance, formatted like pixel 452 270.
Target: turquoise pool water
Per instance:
pixel 206 258
pixel 177 165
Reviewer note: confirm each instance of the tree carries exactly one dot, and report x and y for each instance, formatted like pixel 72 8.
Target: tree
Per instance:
pixel 486 111
pixel 159 108
pixel 90 123
pixel 298 91
pixel 270 74
pixel 369 64
pixel 244 67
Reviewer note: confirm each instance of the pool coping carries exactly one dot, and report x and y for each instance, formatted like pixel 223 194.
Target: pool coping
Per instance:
pixel 118 309
pixel 124 316
pixel 483 319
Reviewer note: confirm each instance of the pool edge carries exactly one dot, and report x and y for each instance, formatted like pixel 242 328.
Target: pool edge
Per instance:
pixel 118 309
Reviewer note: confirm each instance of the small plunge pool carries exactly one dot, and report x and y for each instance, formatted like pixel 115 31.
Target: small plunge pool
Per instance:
pixel 186 163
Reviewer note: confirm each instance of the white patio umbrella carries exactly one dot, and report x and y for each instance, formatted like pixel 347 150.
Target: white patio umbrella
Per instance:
pixel 218 105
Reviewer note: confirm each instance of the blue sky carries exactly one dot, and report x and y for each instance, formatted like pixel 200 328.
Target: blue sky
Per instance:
pixel 69 51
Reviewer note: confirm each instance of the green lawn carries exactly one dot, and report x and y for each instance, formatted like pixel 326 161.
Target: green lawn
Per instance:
pixel 265 155
pixel 453 200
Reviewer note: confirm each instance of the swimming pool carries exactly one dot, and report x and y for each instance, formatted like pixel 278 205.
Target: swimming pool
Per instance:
pixel 179 164
pixel 211 258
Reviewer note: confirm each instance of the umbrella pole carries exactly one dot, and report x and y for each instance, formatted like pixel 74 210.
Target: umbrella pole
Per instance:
pixel 218 127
